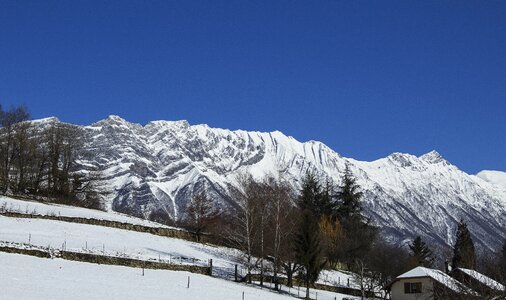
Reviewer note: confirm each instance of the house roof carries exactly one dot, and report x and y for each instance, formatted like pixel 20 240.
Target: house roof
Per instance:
pixel 491 283
pixel 439 276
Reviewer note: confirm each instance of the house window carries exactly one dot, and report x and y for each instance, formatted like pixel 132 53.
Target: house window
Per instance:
pixel 412 287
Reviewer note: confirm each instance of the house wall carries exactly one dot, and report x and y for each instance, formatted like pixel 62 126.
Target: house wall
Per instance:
pixel 397 289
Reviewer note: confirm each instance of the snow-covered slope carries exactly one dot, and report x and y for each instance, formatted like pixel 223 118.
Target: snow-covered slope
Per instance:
pixel 154 169
pixel 114 242
pixel 75 237
pixel 61 279
pixel 8 204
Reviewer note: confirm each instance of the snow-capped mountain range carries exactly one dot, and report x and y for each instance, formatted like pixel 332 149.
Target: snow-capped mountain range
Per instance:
pixel 153 170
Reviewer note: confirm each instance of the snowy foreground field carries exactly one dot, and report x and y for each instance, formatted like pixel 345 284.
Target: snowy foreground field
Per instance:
pixel 113 242
pixel 138 245
pixel 51 209
pixel 26 277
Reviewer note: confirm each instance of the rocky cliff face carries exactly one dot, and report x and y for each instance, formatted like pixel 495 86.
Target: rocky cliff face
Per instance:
pixel 153 170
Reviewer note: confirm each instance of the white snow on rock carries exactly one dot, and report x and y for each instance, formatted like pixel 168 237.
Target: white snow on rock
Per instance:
pixel 153 170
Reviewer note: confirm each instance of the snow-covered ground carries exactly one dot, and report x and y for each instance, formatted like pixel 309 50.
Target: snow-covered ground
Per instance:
pixel 336 278
pixel 90 238
pixel 119 242
pixel 26 232
pixel 26 277
pixel 112 241
pixel 51 209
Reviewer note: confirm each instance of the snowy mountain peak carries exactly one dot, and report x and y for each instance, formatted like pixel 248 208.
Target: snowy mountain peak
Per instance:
pixel 152 172
pixel 402 159
pixel 113 120
pixel 116 119
pixel 432 157
pixel 183 124
pixel 48 120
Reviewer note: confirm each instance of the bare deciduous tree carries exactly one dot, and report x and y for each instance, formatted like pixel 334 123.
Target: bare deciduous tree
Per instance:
pixel 242 230
pixel 8 121
pixel 200 214
pixel 281 223
pixel 43 160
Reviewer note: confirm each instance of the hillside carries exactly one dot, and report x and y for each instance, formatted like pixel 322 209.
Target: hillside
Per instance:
pixel 60 279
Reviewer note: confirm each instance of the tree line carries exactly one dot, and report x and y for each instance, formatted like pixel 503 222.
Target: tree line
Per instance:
pixel 42 161
pixel 296 234
pixel 300 233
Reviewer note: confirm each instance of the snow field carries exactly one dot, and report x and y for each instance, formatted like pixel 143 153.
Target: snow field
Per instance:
pixel 112 241
pixel 118 242
pixel 51 209
pixel 27 277
pixel 27 232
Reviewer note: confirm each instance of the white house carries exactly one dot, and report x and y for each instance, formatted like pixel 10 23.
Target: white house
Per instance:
pixel 423 283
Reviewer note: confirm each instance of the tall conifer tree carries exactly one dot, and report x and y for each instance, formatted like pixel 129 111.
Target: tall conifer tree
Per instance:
pixel 420 252
pixel 308 251
pixel 464 255
pixel 349 197
pixel 307 239
pixel 358 231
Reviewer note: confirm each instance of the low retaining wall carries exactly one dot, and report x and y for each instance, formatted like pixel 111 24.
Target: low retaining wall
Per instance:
pixel 160 231
pixel 31 252
pixel 318 286
pixel 107 260
pixel 130 262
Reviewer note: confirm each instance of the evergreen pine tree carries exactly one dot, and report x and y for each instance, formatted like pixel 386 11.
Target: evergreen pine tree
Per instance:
pixel 349 198
pixel 307 239
pixel 307 249
pixel 310 191
pixel 359 233
pixel 314 198
pixel 420 252
pixel 464 255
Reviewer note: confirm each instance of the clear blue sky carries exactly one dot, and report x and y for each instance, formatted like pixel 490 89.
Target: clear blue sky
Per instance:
pixel 365 77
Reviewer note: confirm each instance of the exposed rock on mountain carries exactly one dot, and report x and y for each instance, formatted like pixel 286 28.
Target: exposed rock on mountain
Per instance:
pixel 153 170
